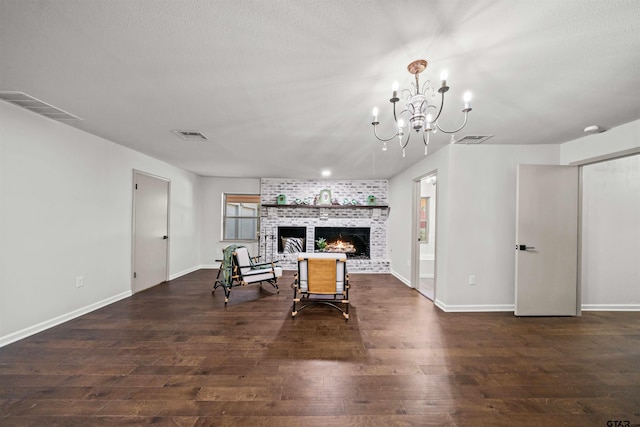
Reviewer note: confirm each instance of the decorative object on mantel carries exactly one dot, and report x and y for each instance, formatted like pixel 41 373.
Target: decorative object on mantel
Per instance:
pixel 282 199
pixel 325 197
pixel 273 208
pixel 417 108
pixel 335 201
pixel 371 200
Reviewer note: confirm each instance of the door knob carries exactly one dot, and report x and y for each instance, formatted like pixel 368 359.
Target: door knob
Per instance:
pixel 165 237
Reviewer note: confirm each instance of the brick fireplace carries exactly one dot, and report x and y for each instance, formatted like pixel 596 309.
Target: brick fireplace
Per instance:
pixel 363 226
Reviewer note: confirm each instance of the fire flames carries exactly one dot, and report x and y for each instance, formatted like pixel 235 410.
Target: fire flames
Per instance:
pixel 340 246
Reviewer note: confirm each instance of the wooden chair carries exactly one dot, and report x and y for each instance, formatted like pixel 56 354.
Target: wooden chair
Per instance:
pixel 321 279
pixel 239 269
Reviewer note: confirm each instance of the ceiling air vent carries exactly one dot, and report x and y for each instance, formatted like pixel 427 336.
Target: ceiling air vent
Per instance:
pixel 472 139
pixel 30 103
pixel 190 135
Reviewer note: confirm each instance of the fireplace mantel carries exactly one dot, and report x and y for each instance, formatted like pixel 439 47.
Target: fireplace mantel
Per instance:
pixel 303 206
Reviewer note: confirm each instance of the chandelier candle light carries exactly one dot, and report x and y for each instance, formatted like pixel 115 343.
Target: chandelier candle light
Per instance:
pixel 418 109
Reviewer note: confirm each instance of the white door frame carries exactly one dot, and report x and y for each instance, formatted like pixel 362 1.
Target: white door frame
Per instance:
pixel 133 223
pixel 415 246
pixel 581 165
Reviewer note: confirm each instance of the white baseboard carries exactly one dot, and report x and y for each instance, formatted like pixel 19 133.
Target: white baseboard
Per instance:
pixel 484 308
pixel 610 307
pixel 187 271
pixel 402 279
pixel 32 330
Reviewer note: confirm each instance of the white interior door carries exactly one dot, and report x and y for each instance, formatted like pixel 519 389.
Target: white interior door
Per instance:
pixel 547 241
pixel 150 235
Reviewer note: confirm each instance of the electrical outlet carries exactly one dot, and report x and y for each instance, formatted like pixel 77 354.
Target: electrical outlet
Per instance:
pixel 472 280
pixel 79 281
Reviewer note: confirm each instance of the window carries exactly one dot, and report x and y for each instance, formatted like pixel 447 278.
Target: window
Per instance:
pixel 240 219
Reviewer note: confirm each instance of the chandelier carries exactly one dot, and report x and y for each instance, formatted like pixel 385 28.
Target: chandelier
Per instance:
pixel 423 115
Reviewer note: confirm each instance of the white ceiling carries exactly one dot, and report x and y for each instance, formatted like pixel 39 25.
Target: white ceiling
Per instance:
pixel 285 88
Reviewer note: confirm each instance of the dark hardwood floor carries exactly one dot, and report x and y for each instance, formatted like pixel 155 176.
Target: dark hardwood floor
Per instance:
pixel 175 355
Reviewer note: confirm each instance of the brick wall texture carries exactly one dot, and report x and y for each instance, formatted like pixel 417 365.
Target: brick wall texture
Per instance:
pixel 323 216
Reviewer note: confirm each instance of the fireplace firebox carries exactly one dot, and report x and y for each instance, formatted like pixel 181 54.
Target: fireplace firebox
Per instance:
pixel 352 241
pixel 292 239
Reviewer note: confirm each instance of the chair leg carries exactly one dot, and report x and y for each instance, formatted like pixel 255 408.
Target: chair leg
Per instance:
pixel 346 303
pixel 225 288
pixel 227 292
pixel 295 298
pixel 216 285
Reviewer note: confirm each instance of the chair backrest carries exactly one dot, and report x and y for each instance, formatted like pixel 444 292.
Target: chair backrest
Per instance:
pixel 322 273
pixel 243 259
pixel 227 262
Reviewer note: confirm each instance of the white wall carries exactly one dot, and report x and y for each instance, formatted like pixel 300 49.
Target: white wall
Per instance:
pixel 212 189
pixel 66 211
pixel 482 212
pixel 399 222
pixel 475 226
pixel 611 235
pixel 619 141
pixel 602 220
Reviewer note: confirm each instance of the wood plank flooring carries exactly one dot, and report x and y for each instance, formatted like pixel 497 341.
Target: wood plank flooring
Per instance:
pixel 176 356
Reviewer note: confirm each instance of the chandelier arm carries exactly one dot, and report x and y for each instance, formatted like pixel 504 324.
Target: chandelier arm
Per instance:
pixel 425 141
pixel 466 116
pixel 406 142
pixel 395 118
pixel 383 139
pixel 440 110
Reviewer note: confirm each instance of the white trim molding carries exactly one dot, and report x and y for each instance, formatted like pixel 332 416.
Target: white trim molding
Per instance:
pixel 610 307
pixel 474 308
pixel 187 271
pixel 402 279
pixel 32 330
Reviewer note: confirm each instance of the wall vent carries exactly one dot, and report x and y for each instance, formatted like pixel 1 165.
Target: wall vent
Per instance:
pixel 30 103
pixel 472 139
pixel 190 135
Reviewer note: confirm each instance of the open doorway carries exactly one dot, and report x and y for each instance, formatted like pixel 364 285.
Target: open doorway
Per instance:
pixel 610 234
pixel 424 271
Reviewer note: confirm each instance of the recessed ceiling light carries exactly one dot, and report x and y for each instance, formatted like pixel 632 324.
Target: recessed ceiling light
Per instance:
pixel 326 173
